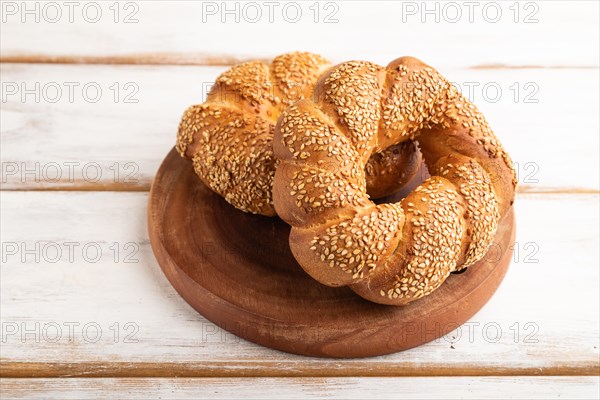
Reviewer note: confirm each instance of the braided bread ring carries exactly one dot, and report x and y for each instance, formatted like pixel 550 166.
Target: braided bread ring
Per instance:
pixel 229 137
pixel 388 253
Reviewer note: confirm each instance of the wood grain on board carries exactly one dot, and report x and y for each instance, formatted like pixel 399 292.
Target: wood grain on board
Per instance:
pixel 248 282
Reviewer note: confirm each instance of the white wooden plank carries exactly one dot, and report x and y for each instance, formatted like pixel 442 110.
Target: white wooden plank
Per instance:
pixel 548 33
pixel 543 318
pixel 320 388
pixel 547 119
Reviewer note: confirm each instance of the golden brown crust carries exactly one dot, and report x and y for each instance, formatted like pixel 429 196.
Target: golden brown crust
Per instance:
pixel 390 253
pixel 229 137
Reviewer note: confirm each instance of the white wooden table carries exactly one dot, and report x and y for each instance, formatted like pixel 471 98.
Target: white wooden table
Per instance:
pixel 91 97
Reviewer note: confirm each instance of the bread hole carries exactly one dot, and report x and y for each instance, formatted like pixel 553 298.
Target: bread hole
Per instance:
pixel 420 176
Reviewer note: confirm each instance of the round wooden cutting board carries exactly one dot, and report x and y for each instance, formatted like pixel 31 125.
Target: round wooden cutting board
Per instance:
pixel 236 269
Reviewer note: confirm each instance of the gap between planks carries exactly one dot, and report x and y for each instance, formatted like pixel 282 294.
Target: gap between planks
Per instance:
pixel 214 60
pixel 339 368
